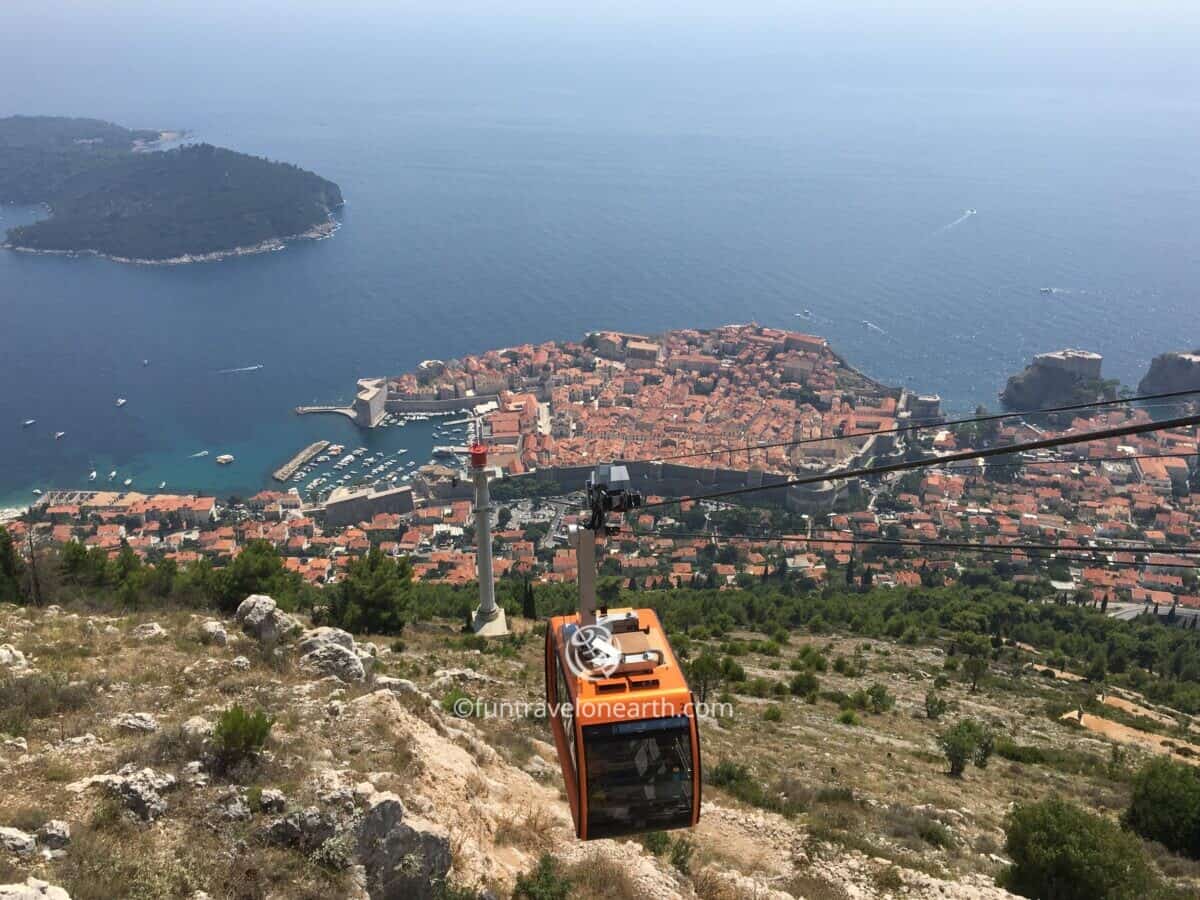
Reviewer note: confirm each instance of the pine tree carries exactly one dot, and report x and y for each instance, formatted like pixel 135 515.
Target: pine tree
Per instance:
pixel 10 569
pixel 528 605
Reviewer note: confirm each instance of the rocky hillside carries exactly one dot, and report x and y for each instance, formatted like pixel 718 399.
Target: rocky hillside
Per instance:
pixel 123 772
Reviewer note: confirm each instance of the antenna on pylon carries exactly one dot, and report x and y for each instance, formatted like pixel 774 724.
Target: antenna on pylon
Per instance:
pixel 489 619
pixel 608 491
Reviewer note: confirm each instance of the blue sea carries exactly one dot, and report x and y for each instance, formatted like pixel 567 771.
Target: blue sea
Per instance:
pixel 535 175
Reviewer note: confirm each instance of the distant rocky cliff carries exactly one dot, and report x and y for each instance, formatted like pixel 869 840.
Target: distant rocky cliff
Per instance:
pixel 1172 372
pixel 1061 378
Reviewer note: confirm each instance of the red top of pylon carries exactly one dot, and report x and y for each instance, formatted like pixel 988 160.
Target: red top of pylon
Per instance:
pixel 478 456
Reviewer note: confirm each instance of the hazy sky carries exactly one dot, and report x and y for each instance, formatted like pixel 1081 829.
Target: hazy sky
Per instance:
pixel 1148 46
pixel 1113 17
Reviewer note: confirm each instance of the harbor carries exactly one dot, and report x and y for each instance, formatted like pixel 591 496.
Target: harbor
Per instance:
pixel 288 469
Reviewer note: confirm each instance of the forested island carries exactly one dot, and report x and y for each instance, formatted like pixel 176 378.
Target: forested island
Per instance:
pixel 113 191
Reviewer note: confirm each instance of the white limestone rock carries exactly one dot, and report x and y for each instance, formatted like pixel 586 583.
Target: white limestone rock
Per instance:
pixel 315 637
pixel 213 633
pixel 260 618
pixel 12 658
pixel 336 660
pixel 404 857
pixel 33 889
pixel 16 841
pixel 196 727
pixel 54 835
pixel 138 722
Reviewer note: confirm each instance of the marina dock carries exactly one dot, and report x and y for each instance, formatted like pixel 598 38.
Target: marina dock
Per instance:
pixel 288 469
pixel 347 411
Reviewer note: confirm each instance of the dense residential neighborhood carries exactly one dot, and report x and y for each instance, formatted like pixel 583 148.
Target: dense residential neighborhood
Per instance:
pixel 567 406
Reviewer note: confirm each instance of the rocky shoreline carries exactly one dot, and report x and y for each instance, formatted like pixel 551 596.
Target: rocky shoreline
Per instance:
pixel 318 232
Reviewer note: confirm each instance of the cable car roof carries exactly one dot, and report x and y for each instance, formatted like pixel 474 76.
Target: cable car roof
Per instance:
pixel 654 689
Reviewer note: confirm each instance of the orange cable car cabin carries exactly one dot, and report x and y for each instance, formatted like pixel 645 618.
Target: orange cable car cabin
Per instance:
pixel 626 736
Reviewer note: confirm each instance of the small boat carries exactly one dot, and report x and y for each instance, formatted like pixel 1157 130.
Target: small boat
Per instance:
pixel 1046 290
pixel 128 482
pixel 145 362
pixel 92 477
pixel 28 422
pixel 224 459
pixel 112 474
pixel 58 435
pixel 37 492
pixel 161 485
pixel 121 401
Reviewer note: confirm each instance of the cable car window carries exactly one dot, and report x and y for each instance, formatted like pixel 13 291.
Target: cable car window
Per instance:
pixel 639 776
pixel 565 709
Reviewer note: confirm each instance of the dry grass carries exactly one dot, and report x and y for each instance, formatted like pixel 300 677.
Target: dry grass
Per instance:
pixel 852 788
pixel 171 746
pixel 811 887
pixel 25 818
pixel 601 878
pixel 25 699
pixel 533 833
pixel 9 872
pixel 112 856
pixel 709 885
pixel 388 748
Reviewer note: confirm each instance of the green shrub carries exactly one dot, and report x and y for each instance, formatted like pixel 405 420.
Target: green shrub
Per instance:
pixel 804 684
pixel 1165 806
pixel 459 703
pixel 239 736
pixel 984 747
pixel 726 774
pixel 834 794
pixel 786 798
pixel 851 668
pixel 858 700
pixel 967 741
pixel 879 699
pixel 1021 753
pixel 546 881
pixel 809 657
pixel 657 842
pixel 681 854
pixel 773 713
pixel 1062 852
pixel 847 717
pixel 935 705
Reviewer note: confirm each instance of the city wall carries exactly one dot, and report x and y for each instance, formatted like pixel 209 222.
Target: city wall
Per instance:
pixel 448 404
